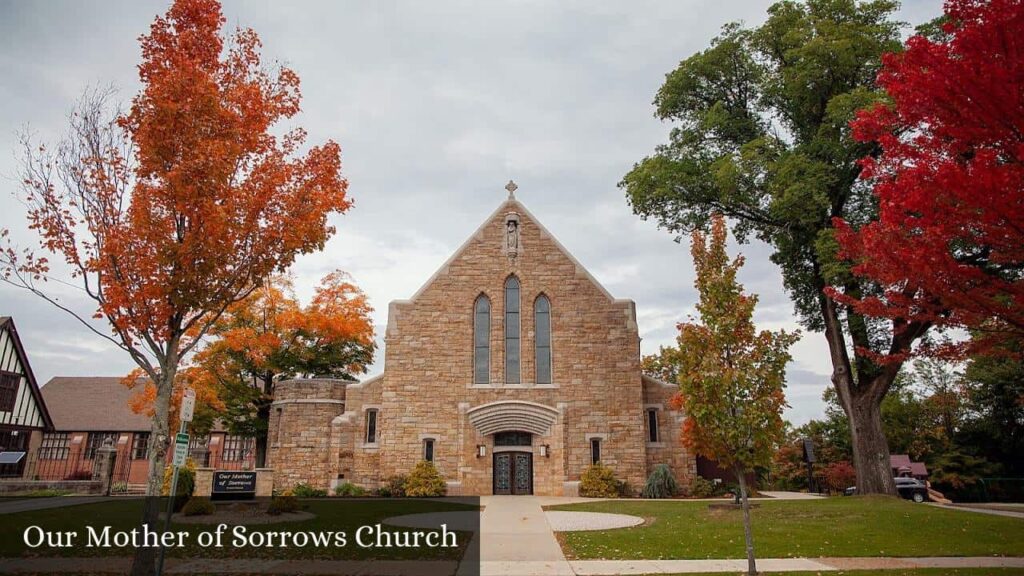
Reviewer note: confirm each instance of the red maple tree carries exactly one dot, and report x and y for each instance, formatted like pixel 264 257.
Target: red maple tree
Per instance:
pixel 948 245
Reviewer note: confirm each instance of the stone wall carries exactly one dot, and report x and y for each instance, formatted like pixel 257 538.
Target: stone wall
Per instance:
pixel 669 448
pixel 299 435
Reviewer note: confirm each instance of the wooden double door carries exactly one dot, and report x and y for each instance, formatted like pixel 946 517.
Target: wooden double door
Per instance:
pixel 513 473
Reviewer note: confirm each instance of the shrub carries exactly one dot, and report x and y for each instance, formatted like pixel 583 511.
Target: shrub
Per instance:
pixel 186 483
pixel 838 476
pixel 306 491
pixel 702 487
pixel 425 481
pixel 283 504
pixel 598 481
pixel 349 489
pixel 198 506
pixel 393 487
pixel 661 483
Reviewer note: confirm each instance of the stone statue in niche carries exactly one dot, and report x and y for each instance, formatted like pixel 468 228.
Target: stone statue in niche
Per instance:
pixel 512 244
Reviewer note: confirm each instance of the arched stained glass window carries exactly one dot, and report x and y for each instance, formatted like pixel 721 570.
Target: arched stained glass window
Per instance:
pixel 482 340
pixel 512 330
pixel 542 342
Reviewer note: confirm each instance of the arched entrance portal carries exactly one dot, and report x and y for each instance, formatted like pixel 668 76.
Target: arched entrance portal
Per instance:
pixel 513 463
pixel 512 424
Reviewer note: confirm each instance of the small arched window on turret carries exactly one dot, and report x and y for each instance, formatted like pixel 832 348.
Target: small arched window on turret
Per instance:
pixel 512 330
pixel 542 341
pixel 482 340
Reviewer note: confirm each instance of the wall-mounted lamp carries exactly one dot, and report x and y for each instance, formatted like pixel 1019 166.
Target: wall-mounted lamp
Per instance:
pixel 481 450
pixel 545 451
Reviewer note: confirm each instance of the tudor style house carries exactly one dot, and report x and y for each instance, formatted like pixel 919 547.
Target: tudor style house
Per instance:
pixel 23 415
pixel 512 369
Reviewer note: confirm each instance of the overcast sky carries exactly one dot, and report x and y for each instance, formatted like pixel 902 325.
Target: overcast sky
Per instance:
pixel 436 105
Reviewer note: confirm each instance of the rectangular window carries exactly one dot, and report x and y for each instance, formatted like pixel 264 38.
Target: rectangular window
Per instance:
pixel 595 450
pixel 237 448
pixel 9 382
pixel 428 450
pixel 652 425
pixel 54 446
pixel 97 440
pixel 371 426
pixel 512 331
pixel 140 446
pixel 542 329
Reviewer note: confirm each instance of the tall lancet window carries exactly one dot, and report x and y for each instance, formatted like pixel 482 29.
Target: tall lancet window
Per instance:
pixel 542 342
pixel 482 340
pixel 512 330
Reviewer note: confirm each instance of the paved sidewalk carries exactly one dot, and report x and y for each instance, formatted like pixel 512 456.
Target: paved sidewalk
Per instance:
pixel 980 510
pixel 516 539
pixel 510 568
pixel 16 505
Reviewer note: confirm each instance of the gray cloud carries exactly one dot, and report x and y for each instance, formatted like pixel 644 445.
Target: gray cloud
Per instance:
pixel 435 105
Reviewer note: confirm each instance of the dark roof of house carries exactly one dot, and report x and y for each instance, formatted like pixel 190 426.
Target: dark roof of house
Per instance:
pixel 92 403
pixel 901 461
pixel 7 323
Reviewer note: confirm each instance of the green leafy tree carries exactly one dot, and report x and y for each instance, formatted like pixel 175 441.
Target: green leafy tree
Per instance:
pixel 762 136
pixel 995 407
pixel 731 376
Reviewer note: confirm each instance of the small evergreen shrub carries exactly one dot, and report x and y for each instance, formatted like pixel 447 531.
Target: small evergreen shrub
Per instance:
pixel 661 483
pixel 425 481
pixel 198 506
pixel 306 491
pixel 349 489
pixel 186 483
pixel 393 487
pixel 598 481
pixel 702 487
pixel 283 504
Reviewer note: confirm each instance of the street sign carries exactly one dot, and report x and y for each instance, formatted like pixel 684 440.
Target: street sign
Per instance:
pixel 180 449
pixel 188 405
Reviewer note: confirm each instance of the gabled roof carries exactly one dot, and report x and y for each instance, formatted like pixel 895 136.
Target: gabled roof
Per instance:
pixel 7 324
pixel 509 205
pixel 92 404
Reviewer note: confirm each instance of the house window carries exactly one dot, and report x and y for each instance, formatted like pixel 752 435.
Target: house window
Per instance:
pixel 595 450
pixel 236 448
pixel 140 446
pixel 652 425
pixel 512 330
pixel 428 449
pixel 8 390
pixel 371 426
pixel 54 446
pixel 482 340
pixel 97 440
pixel 199 441
pixel 542 343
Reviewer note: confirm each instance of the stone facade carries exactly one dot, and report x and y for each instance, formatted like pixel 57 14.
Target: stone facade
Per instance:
pixel 318 428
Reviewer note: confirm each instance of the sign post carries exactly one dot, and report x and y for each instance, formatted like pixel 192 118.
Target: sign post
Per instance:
pixel 188 406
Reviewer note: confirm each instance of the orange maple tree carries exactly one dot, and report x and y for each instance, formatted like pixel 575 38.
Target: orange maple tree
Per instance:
pixel 169 212
pixel 267 337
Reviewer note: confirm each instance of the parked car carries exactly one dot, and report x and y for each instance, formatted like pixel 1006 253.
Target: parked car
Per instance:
pixel 909 488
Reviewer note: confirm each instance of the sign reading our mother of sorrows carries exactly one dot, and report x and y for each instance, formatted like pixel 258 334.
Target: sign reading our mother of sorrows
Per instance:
pixel 234 483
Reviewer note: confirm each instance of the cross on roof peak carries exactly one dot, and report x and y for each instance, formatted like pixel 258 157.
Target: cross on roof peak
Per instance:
pixel 511 187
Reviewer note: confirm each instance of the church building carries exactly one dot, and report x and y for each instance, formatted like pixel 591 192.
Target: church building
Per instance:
pixel 512 369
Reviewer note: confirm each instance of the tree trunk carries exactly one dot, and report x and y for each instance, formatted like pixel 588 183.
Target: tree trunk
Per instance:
pixel 862 402
pixel 263 415
pixel 870 448
pixel 741 479
pixel 144 561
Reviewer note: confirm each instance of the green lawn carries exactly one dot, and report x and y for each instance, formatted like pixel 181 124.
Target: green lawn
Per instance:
pixel 331 515
pixel 843 526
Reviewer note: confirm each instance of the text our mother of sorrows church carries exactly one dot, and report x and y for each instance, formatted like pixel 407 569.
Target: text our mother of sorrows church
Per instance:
pixel 512 369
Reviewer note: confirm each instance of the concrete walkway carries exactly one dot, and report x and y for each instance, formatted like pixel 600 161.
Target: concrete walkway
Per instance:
pixel 16 505
pixel 981 510
pixel 516 539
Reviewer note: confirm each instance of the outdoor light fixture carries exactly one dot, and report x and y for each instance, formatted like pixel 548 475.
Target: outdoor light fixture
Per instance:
pixel 545 451
pixel 481 450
